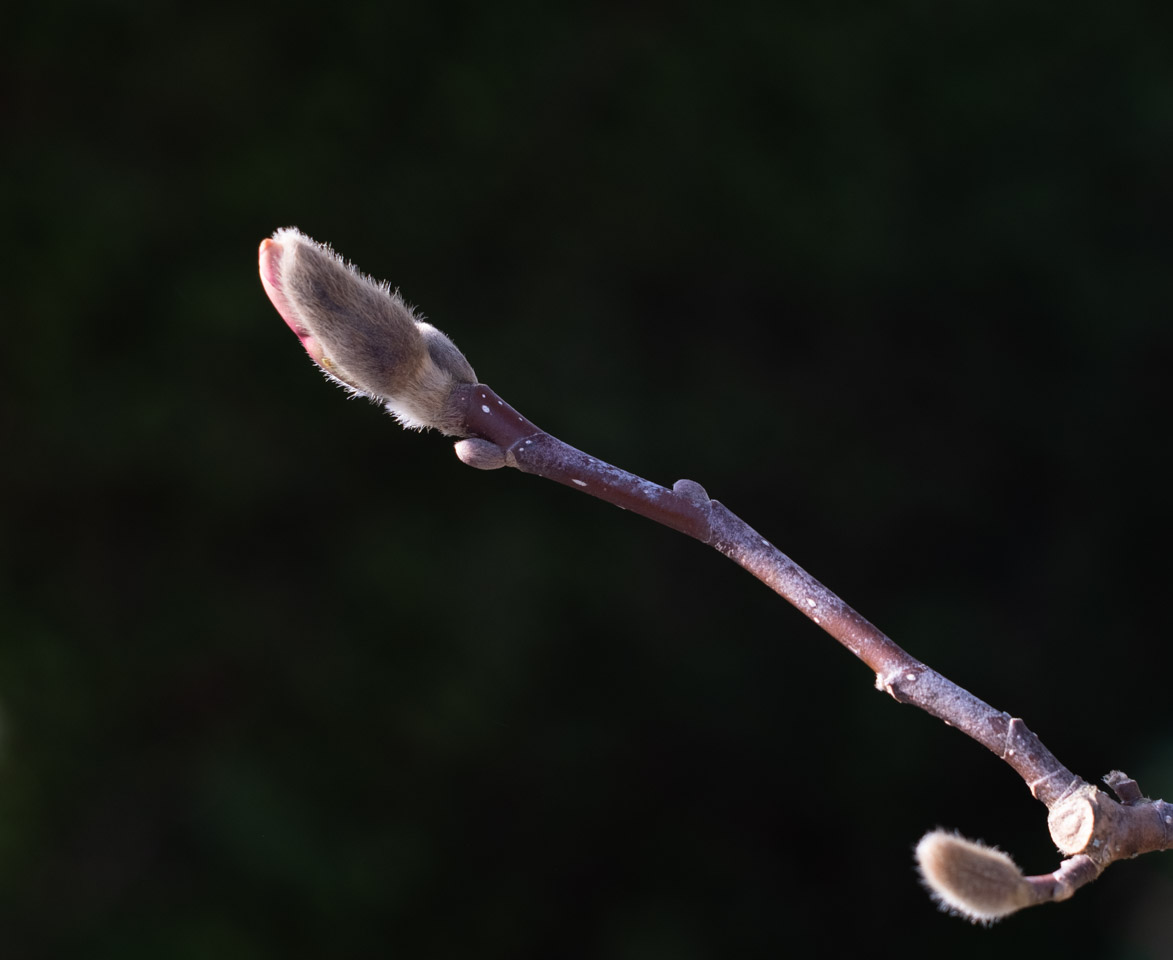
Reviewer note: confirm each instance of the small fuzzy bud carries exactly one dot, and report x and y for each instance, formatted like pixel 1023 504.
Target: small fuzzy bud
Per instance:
pixel 362 334
pixel 969 878
pixel 481 454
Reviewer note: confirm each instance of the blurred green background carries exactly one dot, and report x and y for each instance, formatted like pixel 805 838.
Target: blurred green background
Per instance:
pixel 278 679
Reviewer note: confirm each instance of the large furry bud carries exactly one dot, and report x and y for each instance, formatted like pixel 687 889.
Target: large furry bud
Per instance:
pixel 362 334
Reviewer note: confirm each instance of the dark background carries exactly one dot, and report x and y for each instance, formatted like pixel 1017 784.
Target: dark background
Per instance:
pixel 278 679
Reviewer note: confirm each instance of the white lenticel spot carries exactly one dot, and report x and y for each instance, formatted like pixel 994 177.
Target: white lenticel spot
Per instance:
pixel 528 442
pixel 581 483
pixel 484 408
pixel 910 677
pixel 500 402
pixel 810 602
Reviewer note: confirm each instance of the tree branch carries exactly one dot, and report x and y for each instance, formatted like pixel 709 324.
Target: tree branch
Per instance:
pixel 514 441
pixel 364 337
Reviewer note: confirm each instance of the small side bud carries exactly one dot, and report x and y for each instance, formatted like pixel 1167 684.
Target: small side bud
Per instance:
pixel 362 334
pixel 967 877
pixel 481 454
pixel 1124 787
pixel 693 491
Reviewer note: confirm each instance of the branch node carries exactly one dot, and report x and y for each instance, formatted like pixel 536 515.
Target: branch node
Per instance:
pixel 1072 823
pixel 892 681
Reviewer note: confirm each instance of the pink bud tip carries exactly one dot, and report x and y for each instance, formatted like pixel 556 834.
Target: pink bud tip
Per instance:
pixel 269 255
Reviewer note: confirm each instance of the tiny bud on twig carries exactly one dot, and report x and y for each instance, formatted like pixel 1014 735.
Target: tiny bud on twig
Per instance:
pixel 363 335
pixel 482 454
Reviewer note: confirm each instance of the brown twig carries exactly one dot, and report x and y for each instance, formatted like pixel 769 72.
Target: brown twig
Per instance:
pixel 516 442
pixel 364 336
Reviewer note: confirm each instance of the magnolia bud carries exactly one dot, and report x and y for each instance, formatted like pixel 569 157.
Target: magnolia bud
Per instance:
pixel 967 877
pixel 363 335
